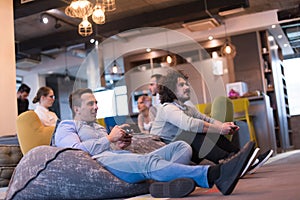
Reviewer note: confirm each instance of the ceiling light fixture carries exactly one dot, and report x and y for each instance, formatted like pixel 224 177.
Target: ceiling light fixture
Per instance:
pixel 84 8
pixel 228 49
pixel 44 19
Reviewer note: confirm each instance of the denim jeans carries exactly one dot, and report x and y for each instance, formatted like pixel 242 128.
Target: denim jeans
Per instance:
pixel 164 164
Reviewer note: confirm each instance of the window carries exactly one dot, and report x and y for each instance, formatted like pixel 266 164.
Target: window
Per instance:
pixel 292 71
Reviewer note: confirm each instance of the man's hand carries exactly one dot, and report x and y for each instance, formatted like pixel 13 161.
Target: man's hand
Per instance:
pixel 124 142
pixel 229 128
pixel 120 137
pixel 116 134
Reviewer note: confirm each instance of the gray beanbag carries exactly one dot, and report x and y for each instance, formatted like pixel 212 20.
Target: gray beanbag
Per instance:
pixel 48 172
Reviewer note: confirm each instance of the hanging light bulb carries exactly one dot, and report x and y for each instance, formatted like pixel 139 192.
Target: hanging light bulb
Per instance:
pixel 85 27
pixel 67 77
pixel 85 8
pixel 98 15
pixel 228 49
pixel 115 68
pixel 169 59
pixel 79 8
pixel 109 5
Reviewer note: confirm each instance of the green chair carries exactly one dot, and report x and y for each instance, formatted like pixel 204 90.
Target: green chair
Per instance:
pixel 222 110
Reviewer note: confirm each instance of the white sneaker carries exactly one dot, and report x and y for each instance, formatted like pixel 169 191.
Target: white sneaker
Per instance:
pixel 251 160
pixel 262 159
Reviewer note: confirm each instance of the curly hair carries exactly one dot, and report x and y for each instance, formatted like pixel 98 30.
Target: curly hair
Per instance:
pixel 167 86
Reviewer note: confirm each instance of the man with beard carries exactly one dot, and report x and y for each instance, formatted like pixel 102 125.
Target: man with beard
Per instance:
pixel 177 121
pixel 22 98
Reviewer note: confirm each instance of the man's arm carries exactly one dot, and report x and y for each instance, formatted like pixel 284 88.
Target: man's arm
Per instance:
pixel 66 135
pixel 185 122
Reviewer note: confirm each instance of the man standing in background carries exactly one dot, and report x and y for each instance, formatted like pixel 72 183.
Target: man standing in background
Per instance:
pixel 155 96
pixel 22 100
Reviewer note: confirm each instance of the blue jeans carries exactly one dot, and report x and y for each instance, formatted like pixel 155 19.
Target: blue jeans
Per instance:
pixel 164 164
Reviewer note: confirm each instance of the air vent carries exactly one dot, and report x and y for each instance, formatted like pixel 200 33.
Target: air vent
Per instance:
pixel 25 1
pixel 26 63
pixel 201 25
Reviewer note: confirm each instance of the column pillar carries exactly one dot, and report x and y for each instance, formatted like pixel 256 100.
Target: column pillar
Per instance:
pixel 8 100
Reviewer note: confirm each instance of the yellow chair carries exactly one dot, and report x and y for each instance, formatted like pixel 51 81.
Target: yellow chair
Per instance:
pixel 31 132
pixel 204 108
pixel 101 122
pixel 241 113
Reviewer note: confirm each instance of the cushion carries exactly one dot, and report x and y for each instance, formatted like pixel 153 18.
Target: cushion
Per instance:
pixel 144 143
pixel 47 172
pixel 10 155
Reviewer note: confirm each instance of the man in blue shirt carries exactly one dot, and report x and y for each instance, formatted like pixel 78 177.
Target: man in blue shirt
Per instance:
pixel 167 165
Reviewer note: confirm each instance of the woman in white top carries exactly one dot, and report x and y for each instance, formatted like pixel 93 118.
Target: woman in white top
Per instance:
pixel 144 121
pixel 45 97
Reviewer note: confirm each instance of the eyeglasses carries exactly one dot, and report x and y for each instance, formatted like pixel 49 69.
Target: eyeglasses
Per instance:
pixel 52 97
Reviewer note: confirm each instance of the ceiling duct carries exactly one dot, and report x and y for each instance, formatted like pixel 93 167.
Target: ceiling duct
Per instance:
pixel 25 1
pixel 229 7
pixel 215 10
pixel 27 63
pixel 201 25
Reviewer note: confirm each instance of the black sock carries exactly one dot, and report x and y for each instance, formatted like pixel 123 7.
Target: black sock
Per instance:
pixel 213 174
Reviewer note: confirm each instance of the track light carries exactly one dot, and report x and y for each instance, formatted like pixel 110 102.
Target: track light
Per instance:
pixel 44 19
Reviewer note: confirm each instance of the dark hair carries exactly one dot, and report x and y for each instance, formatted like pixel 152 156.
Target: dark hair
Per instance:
pixel 167 86
pixel 43 91
pixel 24 88
pixel 75 97
pixel 157 76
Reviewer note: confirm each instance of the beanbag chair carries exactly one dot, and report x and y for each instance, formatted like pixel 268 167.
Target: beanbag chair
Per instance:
pixel 47 172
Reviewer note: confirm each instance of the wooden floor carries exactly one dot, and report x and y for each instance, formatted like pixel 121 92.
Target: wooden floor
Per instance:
pixel 278 179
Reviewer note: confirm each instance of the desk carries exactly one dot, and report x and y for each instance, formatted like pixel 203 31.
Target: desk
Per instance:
pixel 263 120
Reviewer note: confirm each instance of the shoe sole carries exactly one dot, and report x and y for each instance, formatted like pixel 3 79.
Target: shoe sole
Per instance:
pixel 251 160
pixel 228 185
pixel 261 163
pixel 177 188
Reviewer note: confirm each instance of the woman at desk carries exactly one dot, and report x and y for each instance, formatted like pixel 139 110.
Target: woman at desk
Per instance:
pixel 144 121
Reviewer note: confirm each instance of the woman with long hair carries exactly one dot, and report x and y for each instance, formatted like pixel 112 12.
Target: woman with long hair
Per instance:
pixel 144 121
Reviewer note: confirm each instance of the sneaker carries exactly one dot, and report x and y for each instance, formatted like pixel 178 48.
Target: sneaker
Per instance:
pixel 232 170
pixel 262 159
pixel 176 188
pixel 250 162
